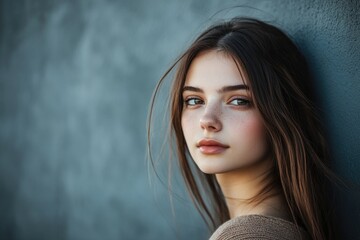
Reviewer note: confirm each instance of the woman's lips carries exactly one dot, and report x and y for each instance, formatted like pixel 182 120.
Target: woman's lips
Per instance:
pixel 209 146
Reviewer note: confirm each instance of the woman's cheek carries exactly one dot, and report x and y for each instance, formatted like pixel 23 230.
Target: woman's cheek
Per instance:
pixel 187 123
pixel 251 130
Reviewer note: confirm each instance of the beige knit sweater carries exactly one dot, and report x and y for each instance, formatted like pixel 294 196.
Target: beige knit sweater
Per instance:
pixel 259 227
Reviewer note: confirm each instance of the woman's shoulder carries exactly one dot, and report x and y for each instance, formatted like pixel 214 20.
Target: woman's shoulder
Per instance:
pixel 259 227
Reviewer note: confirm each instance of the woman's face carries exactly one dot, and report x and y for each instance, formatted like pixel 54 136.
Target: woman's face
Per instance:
pixel 223 130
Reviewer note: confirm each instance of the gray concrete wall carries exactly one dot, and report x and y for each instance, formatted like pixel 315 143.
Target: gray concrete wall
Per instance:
pixel 75 82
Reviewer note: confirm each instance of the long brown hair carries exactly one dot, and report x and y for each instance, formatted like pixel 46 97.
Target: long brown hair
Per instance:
pixel 281 88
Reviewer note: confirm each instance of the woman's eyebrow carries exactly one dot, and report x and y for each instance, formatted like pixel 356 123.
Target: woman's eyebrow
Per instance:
pixel 234 88
pixel 192 89
pixel 222 90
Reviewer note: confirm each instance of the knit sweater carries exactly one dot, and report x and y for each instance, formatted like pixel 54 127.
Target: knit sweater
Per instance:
pixel 259 227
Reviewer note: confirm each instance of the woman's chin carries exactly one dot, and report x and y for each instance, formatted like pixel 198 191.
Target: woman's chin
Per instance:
pixel 210 169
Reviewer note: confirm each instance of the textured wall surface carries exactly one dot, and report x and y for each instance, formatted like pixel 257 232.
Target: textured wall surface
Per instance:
pixel 75 82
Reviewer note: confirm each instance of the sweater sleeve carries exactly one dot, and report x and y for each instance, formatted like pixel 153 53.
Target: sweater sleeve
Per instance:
pixel 259 227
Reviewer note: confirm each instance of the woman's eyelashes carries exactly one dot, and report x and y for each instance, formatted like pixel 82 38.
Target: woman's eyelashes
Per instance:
pixel 193 101
pixel 239 102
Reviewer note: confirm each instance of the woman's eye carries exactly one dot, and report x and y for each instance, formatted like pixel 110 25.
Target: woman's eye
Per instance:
pixel 240 102
pixel 193 101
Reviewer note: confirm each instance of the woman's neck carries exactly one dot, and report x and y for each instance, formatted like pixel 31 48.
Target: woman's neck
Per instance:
pixel 243 184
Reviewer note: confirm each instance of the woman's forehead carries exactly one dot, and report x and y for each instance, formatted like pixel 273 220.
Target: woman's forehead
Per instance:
pixel 214 69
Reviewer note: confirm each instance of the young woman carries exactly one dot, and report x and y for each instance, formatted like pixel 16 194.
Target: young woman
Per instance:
pixel 241 110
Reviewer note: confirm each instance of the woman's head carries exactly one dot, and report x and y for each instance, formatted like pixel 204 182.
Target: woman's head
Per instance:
pixel 269 112
pixel 266 60
pixel 223 130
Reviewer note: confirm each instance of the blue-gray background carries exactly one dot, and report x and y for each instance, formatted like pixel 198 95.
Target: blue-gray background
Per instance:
pixel 75 82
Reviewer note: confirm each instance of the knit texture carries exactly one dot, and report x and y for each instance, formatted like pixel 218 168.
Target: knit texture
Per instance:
pixel 259 227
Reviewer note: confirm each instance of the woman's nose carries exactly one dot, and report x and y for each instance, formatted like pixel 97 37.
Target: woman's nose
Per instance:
pixel 210 120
